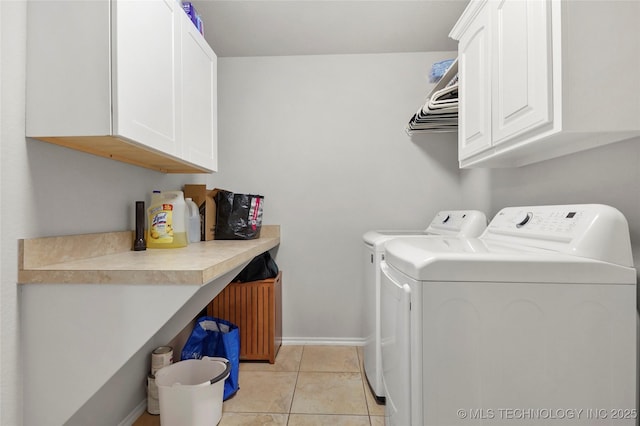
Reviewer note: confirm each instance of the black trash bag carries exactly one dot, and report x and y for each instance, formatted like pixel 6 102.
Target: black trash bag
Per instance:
pixel 238 216
pixel 261 267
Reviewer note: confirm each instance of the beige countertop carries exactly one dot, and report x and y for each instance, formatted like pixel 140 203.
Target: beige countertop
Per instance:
pixel 107 258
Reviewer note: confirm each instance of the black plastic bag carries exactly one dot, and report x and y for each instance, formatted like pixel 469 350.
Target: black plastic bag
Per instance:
pixel 261 267
pixel 238 216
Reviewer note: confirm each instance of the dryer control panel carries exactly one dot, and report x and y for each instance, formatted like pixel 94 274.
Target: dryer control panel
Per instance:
pixel 589 230
pixel 461 223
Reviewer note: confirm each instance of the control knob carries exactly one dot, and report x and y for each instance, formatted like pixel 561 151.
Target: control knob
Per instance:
pixel 524 220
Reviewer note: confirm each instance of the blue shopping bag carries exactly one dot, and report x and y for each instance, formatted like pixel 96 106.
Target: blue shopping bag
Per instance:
pixel 216 337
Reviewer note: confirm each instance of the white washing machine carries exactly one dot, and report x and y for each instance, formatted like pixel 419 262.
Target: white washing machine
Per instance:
pixel 533 323
pixel 462 223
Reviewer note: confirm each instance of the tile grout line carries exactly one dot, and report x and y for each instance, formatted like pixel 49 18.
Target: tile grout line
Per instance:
pixel 364 385
pixel 295 385
pixel 318 370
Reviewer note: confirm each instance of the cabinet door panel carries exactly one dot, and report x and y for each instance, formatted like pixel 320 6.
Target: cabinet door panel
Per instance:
pixel 522 68
pixel 475 83
pixel 146 86
pixel 199 98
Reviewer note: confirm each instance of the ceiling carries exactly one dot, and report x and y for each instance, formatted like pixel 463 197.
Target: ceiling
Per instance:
pixel 312 27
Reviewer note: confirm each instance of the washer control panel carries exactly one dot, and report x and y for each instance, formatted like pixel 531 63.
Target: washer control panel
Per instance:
pixel 592 230
pixel 539 222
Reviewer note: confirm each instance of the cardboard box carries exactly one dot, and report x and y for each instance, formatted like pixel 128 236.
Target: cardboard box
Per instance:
pixel 205 199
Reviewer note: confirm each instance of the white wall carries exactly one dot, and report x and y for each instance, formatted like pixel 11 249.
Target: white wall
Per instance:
pixel 12 123
pixel 306 132
pixel 606 175
pixel 309 133
pixel 322 138
pixel 49 190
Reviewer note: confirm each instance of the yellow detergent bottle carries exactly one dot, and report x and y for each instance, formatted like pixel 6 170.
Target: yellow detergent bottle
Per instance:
pixel 167 221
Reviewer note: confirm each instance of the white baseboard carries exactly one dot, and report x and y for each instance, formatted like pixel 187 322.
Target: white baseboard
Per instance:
pixel 135 414
pixel 329 341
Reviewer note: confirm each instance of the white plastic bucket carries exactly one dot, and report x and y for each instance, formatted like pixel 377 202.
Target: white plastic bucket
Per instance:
pixel 191 391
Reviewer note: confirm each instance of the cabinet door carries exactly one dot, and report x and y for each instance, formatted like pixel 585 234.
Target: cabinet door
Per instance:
pixel 474 127
pixel 145 77
pixel 199 98
pixel 521 98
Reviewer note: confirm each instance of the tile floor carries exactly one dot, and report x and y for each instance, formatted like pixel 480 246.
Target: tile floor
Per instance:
pixel 306 386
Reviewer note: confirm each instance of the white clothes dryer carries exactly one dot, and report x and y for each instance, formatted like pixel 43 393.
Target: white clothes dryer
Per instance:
pixel 460 223
pixel 533 323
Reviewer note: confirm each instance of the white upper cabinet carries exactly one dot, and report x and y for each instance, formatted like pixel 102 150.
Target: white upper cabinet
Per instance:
pixel 541 79
pixel 521 62
pixel 146 89
pixel 131 80
pixel 199 97
pixel 474 117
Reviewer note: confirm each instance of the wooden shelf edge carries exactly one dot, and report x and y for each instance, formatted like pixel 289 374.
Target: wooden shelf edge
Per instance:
pixel 120 149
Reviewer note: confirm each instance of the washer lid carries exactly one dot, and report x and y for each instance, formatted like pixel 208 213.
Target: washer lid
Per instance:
pixel 475 260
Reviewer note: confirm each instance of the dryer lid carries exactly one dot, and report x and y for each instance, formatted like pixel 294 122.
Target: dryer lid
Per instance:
pixel 372 238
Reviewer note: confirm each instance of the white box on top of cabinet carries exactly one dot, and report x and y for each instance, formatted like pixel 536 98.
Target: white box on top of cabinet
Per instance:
pixel 129 80
pixel 541 79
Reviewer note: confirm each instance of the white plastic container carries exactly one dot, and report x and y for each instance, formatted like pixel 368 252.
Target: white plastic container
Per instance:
pixel 153 405
pixel 193 221
pixel 156 197
pixel 191 391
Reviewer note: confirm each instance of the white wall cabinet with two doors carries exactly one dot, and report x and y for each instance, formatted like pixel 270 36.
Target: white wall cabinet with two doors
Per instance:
pixel 540 79
pixel 131 80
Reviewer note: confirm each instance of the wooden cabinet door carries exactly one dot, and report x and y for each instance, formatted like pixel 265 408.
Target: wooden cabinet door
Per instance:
pixel 521 68
pixel 199 98
pixel 144 73
pixel 474 127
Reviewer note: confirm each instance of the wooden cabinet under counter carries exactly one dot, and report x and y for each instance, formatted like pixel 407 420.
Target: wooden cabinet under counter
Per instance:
pixel 256 308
